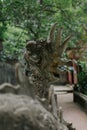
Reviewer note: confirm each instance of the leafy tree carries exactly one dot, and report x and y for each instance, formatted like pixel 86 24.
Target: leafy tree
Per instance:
pixel 36 16
pixel 29 15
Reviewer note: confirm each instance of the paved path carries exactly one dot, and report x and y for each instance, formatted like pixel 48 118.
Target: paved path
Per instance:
pixel 62 89
pixel 72 112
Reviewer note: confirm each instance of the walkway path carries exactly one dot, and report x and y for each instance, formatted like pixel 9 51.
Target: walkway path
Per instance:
pixel 72 112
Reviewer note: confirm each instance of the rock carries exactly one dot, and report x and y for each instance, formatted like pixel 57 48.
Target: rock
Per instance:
pixel 21 112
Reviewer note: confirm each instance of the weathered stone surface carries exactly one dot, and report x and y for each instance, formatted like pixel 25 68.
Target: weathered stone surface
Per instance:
pixel 9 88
pixel 43 59
pixel 24 113
pixel 7 73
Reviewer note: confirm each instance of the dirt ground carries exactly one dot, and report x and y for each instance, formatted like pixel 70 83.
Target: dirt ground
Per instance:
pixel 72 112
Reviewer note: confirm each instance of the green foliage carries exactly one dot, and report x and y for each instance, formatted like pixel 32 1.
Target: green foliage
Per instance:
pixel 34 20
pixel 82 79
pixel 2 21
pixel 30 15
pixel 14 43
pixel 2 30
